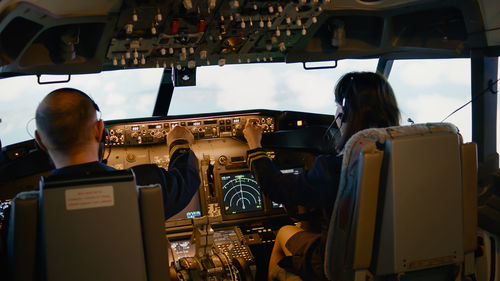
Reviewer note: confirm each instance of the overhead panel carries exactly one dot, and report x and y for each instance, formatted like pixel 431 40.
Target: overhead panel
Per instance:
pixel 198 33
pixel 70 8
pixel 490 10
pixel 54 37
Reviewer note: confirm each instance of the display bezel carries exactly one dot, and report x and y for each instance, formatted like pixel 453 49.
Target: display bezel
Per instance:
pixel 220 195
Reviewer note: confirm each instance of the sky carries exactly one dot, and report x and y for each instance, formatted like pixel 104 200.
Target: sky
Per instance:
pixel 426 90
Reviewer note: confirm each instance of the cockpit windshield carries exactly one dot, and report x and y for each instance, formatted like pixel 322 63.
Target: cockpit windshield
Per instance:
pixel 275 86
pixel 427 91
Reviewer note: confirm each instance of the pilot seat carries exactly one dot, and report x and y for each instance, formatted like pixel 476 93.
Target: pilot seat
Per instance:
pixel 406 208
pixel 92 228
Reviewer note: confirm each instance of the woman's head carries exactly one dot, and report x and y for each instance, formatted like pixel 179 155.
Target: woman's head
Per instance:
pixel 366 100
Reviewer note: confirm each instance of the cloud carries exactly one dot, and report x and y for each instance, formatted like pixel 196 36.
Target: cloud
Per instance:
pixel 434 107
pixel 207 75
pixel 345 66
pixel 17 121
pixel 87 82
pixel 150 76
pixel 146 103
pixel 311 90
pixel 426 73
pixel 245 88
pixel 13 88
pixel 7 128
pixel 114 99
pixel 110 86
pixel 116 114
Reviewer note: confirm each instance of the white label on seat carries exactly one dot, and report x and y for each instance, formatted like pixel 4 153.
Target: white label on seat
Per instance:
pixel 92 197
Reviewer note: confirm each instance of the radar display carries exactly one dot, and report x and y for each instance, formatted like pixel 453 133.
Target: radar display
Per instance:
pixel 241 193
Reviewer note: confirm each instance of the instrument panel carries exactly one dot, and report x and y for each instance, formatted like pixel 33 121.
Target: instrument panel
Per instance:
pixel 227 187
pixel 154 132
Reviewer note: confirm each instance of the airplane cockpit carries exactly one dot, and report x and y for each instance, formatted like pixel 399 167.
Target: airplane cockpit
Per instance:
pixel 415 202
pixel 229 190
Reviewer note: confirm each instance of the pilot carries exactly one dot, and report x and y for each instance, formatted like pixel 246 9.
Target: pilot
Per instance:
pixel 364 100
pixel 69 130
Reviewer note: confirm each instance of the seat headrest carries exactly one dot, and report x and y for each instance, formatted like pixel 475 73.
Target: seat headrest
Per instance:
pixel 379 135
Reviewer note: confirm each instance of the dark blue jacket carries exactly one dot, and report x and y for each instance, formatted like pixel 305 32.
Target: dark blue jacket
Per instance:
pixel 179 183
pixel 315 188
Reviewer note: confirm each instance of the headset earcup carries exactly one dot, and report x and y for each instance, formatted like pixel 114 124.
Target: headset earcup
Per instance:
pixel 343 118
pixel 102 144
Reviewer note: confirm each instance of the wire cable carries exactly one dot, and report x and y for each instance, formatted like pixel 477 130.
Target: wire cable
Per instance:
pixel 27 127
pixel 490 88
pixel 331 125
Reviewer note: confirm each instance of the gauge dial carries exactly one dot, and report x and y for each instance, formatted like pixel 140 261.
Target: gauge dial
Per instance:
pixel 241 193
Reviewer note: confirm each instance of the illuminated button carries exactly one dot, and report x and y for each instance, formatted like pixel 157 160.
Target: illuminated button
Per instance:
pixel 221 122
pixel 183 123
pixel 228 121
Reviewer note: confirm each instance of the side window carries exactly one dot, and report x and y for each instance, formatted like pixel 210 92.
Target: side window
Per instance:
pixel 429 90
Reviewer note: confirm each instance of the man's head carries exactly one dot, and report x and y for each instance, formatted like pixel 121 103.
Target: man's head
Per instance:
pixel 67 124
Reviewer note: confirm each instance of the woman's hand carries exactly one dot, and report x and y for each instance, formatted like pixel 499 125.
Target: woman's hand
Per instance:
pixel 177 133
pixel 253 133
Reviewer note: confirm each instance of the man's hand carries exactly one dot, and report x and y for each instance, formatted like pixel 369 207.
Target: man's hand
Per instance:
pixel 253 133
pixel 178 133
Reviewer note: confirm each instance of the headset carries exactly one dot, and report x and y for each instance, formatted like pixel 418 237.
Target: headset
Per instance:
pixel 346 97
pixel 345 107
pixel 105 132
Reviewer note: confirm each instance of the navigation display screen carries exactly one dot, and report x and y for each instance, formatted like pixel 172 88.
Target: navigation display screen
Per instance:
pixel 241 193
pixel 192 210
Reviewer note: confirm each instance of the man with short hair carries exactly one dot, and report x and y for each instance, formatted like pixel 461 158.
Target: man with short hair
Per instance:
pixel 69 130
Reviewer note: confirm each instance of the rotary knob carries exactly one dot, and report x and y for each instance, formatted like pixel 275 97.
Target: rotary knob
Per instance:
pixel 222 160
pixel 131 157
